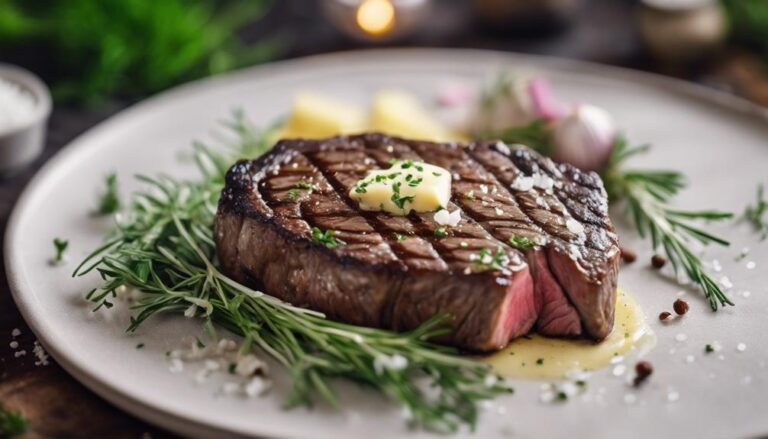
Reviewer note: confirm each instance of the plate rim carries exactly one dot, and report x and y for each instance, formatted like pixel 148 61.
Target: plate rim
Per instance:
pixel 172 420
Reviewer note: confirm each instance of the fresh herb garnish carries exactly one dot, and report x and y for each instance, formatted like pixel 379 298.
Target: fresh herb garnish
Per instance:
pixel 521 242
pixel 539 361
pixel 326 237
pixel 109 201
pixel 709 349
pixel 441 232
pixel 400 237
pixel 757 215
pixel 400 200
pixel 537 135
pixel 303 185
pixel 171 232
pixel 470 195
pixel 293 194
pixel 496 260
pixel 12 423
pixel 647 195
pixel 60 245
pixel 140 346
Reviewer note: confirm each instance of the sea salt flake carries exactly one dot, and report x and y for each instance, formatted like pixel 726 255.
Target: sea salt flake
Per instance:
pixel 574 226
pixel 746 294
pixel 14 344
pixel 522 184
pixel 726 282
pixel 15 332
pixel 499 211
pixel 42 356
pixel 619 370
pixel 751 265
pixel 681 337
pixel 690 359
pixel 256 386
pixel 741 347
pixel 502 148
pixel 673 395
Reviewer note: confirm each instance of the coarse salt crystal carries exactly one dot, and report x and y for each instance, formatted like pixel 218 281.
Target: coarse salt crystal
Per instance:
pixel 673 396
pixel 14 344
pixel 42 356
pixel 444 218
pixel 502 148
pixel 741 347
pixel 483 188
pixel 574 226
pixel 499 211
pixel 751 265
pixel 15 332
pixel 18 354
pixel 746 294
pixel 681 337
pixel 726 282
pixel 543 182
pixel 256 386
pixel 630 398
pixel 522 184
pixel 619 370
pixel 690 359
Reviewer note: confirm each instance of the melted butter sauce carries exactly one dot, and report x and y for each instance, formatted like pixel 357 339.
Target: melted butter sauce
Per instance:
pixel 541 357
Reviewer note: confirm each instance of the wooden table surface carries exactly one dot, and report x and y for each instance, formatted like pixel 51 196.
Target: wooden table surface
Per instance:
pixel 58 406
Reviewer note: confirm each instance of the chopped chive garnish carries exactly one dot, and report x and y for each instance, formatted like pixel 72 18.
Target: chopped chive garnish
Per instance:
pixel 326 237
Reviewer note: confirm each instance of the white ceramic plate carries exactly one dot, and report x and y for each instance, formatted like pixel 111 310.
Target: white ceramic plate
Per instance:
pixel 718 141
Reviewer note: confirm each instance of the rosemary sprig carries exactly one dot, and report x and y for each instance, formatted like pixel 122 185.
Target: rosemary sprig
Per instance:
pixel 647 195
pixel 166 250
pixel 757 215
pixel 537 135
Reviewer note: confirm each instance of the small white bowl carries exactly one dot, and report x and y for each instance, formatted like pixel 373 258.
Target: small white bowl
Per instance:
pixel 20 145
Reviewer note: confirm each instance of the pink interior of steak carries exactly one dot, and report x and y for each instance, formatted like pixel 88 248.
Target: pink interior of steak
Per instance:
pixel 570 286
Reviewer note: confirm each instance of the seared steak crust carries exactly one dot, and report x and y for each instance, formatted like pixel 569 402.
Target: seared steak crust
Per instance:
pixel 393 272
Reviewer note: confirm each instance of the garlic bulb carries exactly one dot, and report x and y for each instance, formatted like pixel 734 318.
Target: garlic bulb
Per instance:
pixel 584 138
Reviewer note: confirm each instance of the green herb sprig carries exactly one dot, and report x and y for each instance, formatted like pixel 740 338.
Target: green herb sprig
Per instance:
pixel 12 423
pixel 166 250
pixel 94 48
pixel 326 237
pixel 109 200
pixel 757 214
pixel 647 195
pixel 60 246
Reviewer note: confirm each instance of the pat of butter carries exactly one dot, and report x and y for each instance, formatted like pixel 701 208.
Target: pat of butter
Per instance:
pixel 408 185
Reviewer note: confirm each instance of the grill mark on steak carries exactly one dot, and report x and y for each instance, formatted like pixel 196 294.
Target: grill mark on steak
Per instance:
pixel 413 279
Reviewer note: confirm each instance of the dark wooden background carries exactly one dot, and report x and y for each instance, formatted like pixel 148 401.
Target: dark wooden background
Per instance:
pixel 58 406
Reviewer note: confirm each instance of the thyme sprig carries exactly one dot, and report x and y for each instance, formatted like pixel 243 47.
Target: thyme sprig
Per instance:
pixel 757 214
pixel 647 195
pixel 165 249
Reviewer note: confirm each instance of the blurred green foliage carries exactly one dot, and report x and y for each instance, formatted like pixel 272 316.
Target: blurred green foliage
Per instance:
pixel 131 48
pixel 749 23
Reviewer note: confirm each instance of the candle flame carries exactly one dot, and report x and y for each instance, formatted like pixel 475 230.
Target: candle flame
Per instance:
pixel 376 17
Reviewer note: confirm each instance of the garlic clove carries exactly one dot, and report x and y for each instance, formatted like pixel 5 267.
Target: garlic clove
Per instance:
pixel 584 138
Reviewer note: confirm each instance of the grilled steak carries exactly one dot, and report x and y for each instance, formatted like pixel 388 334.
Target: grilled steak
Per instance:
pixel 549 252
